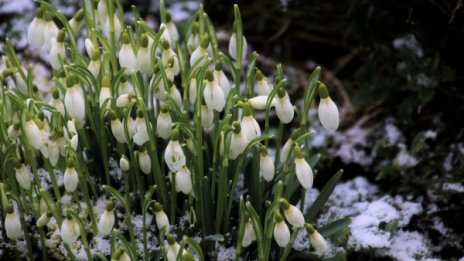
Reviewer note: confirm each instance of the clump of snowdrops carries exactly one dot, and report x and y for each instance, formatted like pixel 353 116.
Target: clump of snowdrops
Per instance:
pixel 178 114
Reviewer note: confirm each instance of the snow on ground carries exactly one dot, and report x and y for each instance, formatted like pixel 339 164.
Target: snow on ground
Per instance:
pixel 378 221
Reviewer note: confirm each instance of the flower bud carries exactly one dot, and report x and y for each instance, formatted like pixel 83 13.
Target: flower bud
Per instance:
pixel 262 86
pixel 106 222
pixel 70 177
pixel 284 108
pixel 144 162
pixel 33 134
pixel 317 241
pixel 281 231
pixel 303 171
pixel 173 248
pixel 249 234
pixel 266 165
pixel 174 155
pixel 233 47
pixel 259 102
pixel 74 100
pixel 127 58
pixel 124 164
pixel 200 51
pixel 213 94
pixel 161 218
pixel 328 111
pixel 222 80
pixel 207 118
pixel 12 224
pixel 292 214
pixel 57 52
pixel 35 31
pixel 23 176
pixel 144 57
pixel 105 92
pixel 164 124
pixel 193 90
pixel 249 125
pixel 184 181
pixel 141 132
pixel 69 231
pixel 117 128
pixel 50 30
pixel 76 22
pixel 44 218
pixel 238 141
pixel 171 27
pixel 123 100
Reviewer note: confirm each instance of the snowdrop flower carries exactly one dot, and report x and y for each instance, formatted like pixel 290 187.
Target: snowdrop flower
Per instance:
pixel 124 99
pixel 33 134
pixel 124 164
pixel 281 231
pixel 144 161
pixel 105 92
pixel 14 131
pixel 184 181
pixel 233 46
pixel 292 214
pixel 144 57
pixel 12 224
pixel 75 22
pixel 70 177
pixel 127 58
pixel 57 51
pixel 35 31
pixel 175 94
pixel 173 248
pixel 238 141
pixel 23 176
pixel 284 107
pixel 328 111
pixel 117 27
pixel 262 85
pixel 193 40
pixel 249 125
pixel 303 171
pixel 317 241
pixel 125 87
pixel 106 221
pixel 95 63
pixel 44 218
pixel 165 34
pixel 50 30
pixel 74 101
pixel 207 118
pixel 287 146
pixel 259 102
pixel 249 234
pixel 57 102
pixel 89 48
pixel 200 51
pixel 102 10
pixel 116 127
pixel 141 133
pixel 53 152
pixel 164 123
pixel 69 231
pixel 174 155
pixel 171 27
pixel 193 90
pixel 213 94
pixel 266 164
pixel 169 56
pixel 161 218
pixel 221 78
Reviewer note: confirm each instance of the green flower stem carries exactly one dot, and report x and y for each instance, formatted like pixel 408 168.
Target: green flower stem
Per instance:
pixel 256 222
pixel 83 233
pixel 146 205
pixel 199 170
pixel 241 229
pixel 268 109
pixel 51 174
pixel 238 168
pixel 289 245
pixel 172 214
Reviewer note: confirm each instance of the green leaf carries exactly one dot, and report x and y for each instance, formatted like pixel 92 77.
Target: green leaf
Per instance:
pixel 332 228
pixel 323 197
